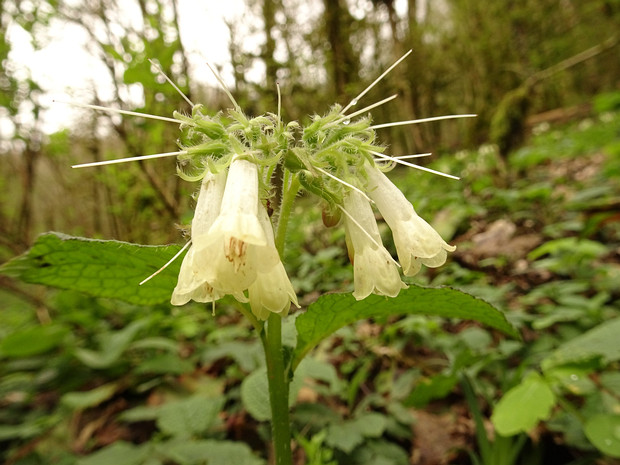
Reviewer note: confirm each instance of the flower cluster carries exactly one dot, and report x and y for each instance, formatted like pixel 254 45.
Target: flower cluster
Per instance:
pixel 233 249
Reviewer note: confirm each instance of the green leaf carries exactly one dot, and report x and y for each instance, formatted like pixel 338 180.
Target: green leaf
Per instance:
pixel 603 431
pixel 523 406
pixel 255 391
pixel 32 341
pixel 347 435
pixel 210 452
pixel 246 354
pixel 190 416
pixel 112 346
pixel 574 379
pixel 82 400
pixel 599 342
pixel 109 269
pixel 334 311
pixel 140 413
pixel 427 389
pixel 379 452
pixel 255 395
pixel 119 453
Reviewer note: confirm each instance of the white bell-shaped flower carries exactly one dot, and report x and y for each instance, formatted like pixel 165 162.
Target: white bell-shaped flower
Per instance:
pixel 192 283
pixel 417 243
pixel 235 248
pixel 374 270
pixel 272 291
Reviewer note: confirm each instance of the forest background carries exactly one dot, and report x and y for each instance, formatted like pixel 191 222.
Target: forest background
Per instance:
pixel 522 67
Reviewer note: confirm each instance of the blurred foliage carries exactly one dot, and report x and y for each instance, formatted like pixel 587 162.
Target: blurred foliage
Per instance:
pixel 87 380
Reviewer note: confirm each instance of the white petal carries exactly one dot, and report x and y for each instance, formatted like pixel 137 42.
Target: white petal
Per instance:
pixel 238 213
pixel 414 238
pixel 374 271
pixel 192 283
pixel 208 203
pixel 272 291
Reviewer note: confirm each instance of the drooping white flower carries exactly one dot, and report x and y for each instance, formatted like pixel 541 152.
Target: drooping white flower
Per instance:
pixel 192 283
pixel 417 243
pixel 374 270
pixel 272 291
pixel 233 248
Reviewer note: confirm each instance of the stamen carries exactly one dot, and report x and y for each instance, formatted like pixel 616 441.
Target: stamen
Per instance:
pixel 351 186
pixel 356 99
pixel 124 160
pixel 161 71
pixel 379 246
pixel 122 112
pixel 221 81
pixel 418 167
pixel 363 110
pixel 168 263
pixel 423 120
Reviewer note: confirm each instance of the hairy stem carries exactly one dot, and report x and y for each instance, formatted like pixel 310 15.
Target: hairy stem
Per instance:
pixel 278 391
pixel 277 371
pixel 290 188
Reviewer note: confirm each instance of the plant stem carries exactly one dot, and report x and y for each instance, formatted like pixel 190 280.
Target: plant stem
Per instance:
pixel 277 372
pixel 290 187
pixel 278 391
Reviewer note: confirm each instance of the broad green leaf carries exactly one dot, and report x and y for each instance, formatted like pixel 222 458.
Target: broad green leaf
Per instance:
pixel 347 435
pixel 574 379
pixel 210 452
pixel 112 345
pixel 255 391
pixel 86 399
pixel 603 431
pixel 140 413
pixel 334 311
pixel 188 417
pixel 119 453
pixel 379 452
pixel 32 341
pixel 255 395
pixel 427 389
pixel 599 342
pixel 110 269
pixel 523 406
pixel 247 354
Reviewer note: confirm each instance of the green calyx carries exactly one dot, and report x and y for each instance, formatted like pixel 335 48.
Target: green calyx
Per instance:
pixel 328 154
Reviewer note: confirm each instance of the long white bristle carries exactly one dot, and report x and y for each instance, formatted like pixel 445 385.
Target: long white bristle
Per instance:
pixel 361 94
pixel 411 165
pixel 422 120
pixel 122 112
pixel 125 160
